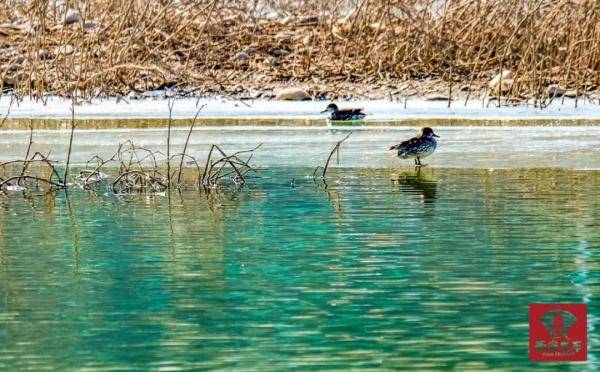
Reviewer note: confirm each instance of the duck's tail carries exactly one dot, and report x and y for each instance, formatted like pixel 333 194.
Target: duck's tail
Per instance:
pixel 395 147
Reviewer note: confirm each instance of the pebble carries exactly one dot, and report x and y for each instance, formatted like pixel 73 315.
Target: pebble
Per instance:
pixel 285 35
pixel 308 40
pixel 280 52
pixel 64 50
pixel 436 97
pixel 91 25
pixel 71 17
pixel 241 57
pixel 292 94
pixel 555 90
pixel 501 76
pixel 19 59
pixel 309 21
pixel 571 93
pixel 43 54
pixel 506 85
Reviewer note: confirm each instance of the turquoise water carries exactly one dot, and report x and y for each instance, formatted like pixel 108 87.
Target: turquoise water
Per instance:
pixel 382 269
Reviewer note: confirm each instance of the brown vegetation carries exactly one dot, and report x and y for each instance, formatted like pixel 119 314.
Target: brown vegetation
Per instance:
pixel 139 169
pixel 333 48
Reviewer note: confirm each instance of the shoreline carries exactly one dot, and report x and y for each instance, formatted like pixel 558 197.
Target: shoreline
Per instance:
pixel 307 112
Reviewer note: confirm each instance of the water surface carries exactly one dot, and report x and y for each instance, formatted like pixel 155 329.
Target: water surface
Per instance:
pixel 381 269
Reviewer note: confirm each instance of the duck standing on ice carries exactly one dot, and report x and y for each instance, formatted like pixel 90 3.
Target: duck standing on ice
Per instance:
pixel 421 146
pixel 335 114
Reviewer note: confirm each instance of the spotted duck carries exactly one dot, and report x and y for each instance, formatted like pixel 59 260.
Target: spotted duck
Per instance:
pixel 421 146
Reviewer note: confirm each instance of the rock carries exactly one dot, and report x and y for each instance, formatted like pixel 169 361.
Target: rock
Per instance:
pixel 241 57
pixel 71 17
pixel 287 20
pixel 436 97
pixel 555 90
pixel 571 93
pixel 91 25
pixel 19 59
pixel 43 54
pixel 283 35
pixel 506 85
pixel 65 50
pixel 308 21
pixel 100 53
pixel 501 76
pixel 308 40
pixel 292 94
pixel 250 50
pixel 279 53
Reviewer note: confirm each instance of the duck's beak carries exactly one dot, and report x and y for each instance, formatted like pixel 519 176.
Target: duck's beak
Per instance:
pixel 435 135
pixel 324 111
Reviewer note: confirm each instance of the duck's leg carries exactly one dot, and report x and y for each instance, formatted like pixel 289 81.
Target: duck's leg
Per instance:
pixel 419 164
pixel 416 162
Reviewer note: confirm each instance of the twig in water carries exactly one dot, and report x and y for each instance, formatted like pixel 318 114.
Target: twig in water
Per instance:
pixel 138 179
pixel 187 140
pixel 28 150
pixel 170 105
pixel 212 169
pixel 70 142
pixel 335 149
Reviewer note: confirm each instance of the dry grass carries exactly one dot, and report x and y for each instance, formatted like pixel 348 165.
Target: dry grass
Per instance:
pixel 345 48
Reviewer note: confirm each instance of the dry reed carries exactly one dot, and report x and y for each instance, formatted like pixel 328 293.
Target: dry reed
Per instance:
pixel 336 48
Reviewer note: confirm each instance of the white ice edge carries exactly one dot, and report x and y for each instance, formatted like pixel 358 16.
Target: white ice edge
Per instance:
pixel 377 110
pixel 488 147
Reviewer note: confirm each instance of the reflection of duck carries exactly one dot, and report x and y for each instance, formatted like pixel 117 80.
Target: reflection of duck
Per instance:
pixel 426 188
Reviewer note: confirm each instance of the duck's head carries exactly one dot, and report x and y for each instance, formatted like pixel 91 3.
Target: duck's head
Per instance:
pixel 332 107
pixel 427 132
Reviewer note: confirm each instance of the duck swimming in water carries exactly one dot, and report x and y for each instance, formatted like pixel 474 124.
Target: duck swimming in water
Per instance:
pixel 335 114
pixel 421 146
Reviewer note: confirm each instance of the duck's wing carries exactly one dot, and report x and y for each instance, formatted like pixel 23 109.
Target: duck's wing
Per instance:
pixel 406 144
pixel 350 114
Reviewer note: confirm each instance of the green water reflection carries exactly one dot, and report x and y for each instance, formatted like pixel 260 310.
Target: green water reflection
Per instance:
pixel 382 269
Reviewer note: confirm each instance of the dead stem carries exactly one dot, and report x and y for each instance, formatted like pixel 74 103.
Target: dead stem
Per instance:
pixel 336 149
pixel 70 141
pixel 170 105
pixel 187 140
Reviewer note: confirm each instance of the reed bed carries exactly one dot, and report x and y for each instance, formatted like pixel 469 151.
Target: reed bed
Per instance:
pixel 131 169
pixel 139 169
pixel 332 48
